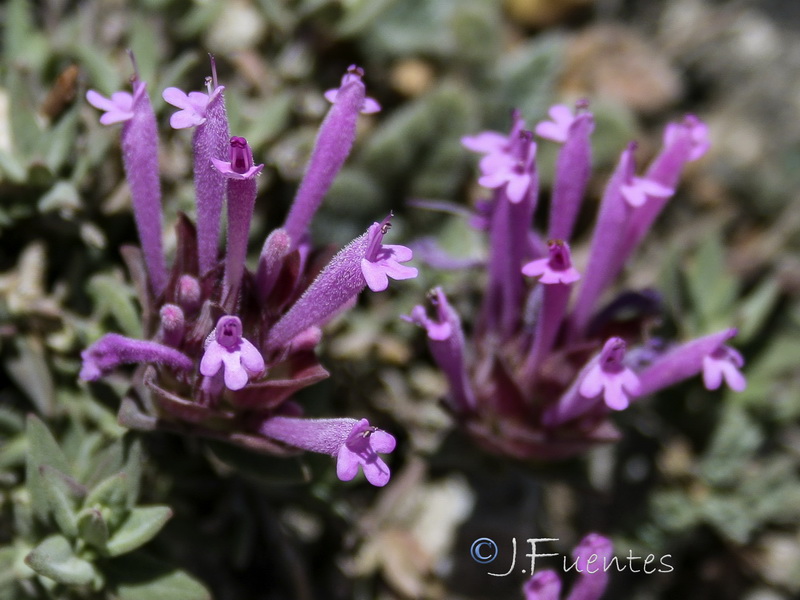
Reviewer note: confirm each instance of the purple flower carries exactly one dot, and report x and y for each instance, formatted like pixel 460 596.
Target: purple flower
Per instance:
pixel 513 170
pixel 707 354
pixel 113 350
pixel 724 363
pixel 610 377
pixel 119 107
pixel 139 141
pixel 364 261
pixel 494 142
pixel 240 165
pixel 591 558
pixel 193 107
pixel 354 73
pixel 446 343
pixel 699 141
pixel 228 350
pixel 640 188
pixel 557 129
pixel 382 261
pixel 556 268
pixel 361 449
pixel 333 144
pixel 353 443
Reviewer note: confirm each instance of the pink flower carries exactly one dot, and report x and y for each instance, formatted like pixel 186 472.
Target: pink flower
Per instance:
pixel 193 107
pixel 556 268
pixel 514 170
pixel 119 107
pixel 361 449
pixel 241 164
pixel 637 191
pixel 354 73
pixel 724 363
pixel 609 376
pixel 383 261
pixel 698 133
pixel 557 129
pixel 228 350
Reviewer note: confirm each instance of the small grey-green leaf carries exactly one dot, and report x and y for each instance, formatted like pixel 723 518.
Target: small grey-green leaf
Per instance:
pixel 92 529
pixel 139 577
pixel 31 373
pixel 55 559
pixel 60 491
pixel 42 450
pixel 141 526
pixel 110 497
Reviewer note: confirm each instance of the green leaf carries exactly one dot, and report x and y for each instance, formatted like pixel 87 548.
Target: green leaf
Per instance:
pixel 92 529
pixel 141 526
pixel 736 440
pixel 139 577
pixel 43 450
pixel 30 372
pixel 116 298
pixel 61 491
pixel 110 497
pixel 55 559
pixel 756 308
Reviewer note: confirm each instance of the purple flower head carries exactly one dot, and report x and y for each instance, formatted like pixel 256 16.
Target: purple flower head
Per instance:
pixel 382 261
pixel 119 107
pixel 514 170
pixel 234 386
pixel 353 443
pixel 556 268
pixel 240 165
pixel 229 351
pixel 724 363
pixel 354 74
pixel 609 376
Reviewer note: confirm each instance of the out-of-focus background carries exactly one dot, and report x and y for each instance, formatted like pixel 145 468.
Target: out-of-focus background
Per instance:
pixel 710 478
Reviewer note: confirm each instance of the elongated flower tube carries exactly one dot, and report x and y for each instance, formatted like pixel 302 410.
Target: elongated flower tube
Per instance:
pixel 514 176
pixel 446 343
pixel 334 142
pixel 240 173
pixel 113 350
pixel 354 443
pixel 592 559
pixel 573 169
pixel 683 142
pixel 206 112
pixel 707 354
pixel 140 155
pixel 606 244
pixel 363 262
pixel 557 274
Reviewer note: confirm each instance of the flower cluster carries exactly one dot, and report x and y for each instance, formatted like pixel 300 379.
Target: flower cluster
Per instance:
pixel 228 346
pixel 544 369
